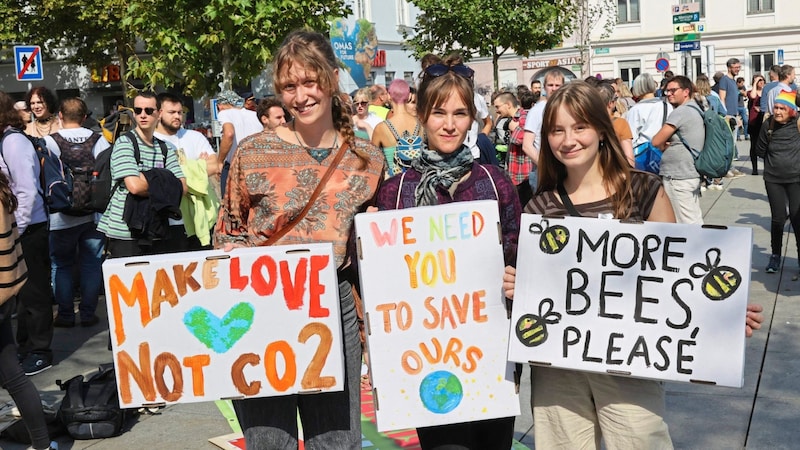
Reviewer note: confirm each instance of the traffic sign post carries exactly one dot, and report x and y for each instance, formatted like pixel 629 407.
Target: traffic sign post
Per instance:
pixel 685 30
pixel 662 64
pixel 686 18
pixel 28 63
pixel 687 46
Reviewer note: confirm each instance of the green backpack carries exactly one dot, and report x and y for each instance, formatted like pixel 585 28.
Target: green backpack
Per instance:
pixel 716 157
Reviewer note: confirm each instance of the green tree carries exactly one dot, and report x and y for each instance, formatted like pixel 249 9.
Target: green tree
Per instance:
pixel 490 28
pixel 198 44
pixel 77 31
pixel 589 14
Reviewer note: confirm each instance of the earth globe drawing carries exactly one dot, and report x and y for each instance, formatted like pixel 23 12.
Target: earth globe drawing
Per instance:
pixel 441 392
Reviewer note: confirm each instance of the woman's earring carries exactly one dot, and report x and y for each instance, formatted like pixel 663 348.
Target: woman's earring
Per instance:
pixel 602 144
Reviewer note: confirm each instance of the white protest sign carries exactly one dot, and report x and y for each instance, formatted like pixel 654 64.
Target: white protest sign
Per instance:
pixel 431 279
pixel 651 300
pixel 202 326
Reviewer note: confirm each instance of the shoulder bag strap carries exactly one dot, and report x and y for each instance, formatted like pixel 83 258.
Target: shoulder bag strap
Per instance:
pixel 296 219
pixel 399 190
pixel 562 193
pixel 664 118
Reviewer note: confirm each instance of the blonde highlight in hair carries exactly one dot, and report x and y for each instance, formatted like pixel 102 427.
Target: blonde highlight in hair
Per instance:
pixel 313 52
pixel 434 92
pixel 583 102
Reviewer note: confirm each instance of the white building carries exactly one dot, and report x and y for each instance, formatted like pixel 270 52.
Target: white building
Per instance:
pixel 759 33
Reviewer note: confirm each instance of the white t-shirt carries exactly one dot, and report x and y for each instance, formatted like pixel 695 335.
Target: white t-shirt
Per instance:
pixel 533 122
pixel 60 221
pixel 189 142
pixel 373 120
pixel 245 123
pixel 472 136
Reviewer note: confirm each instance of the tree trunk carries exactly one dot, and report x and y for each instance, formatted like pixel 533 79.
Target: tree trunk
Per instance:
pixel 496 68
pixel 227 78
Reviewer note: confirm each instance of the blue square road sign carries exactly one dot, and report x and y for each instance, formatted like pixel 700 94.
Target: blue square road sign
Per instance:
pixel 28 63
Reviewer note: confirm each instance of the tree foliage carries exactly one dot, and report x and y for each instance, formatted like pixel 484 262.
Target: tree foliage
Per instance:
pixel 589 14
pixel 490 28
pixel 198 44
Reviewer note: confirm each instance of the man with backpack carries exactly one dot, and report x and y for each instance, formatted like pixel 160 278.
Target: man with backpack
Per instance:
pixel 74 233
pixel 680 177
pixel 19 161
pixel 135 156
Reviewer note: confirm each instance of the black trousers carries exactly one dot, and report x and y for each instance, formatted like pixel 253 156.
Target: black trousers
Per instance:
pixel 35 299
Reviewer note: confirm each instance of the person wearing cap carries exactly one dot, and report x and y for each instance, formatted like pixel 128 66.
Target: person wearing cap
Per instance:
pixel 785 83
pixel 779 145
pixel 250 101
pixel 24 111
pixel 237 123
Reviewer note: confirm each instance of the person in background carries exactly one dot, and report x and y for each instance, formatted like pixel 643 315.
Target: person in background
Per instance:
pixel 364 120
pixel 532 139
pixel 400 135
pixel 271 113
pixel 667 76
pixel 779 145
pixel 411 105
pixel 536 88
pixel 20 164
pixel 266 173
pixel 582 158
pixel 43 105
pixel 250 101
pixel 625 99
pixel 648 115
pixel 707 98
pixel 24 111
pixel 755 117
pixel 742 109
pixel 13 274
pixel 447 172
pixel 75 238
pixel 237 123
pixel 379 98
pixel 621 126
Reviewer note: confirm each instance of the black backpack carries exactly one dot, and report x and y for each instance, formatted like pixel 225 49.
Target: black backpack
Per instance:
pixel 90 409
pixel 102 188
pixel 78 160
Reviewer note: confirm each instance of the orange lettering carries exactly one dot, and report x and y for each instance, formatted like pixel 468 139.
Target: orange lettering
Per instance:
pixel 385 308
pixel 280 384
pixel 462 308
pixel 210 280
pixel 431 324
pixel 138 293
pixel 453 347
pixel 478 305
pixel 477 223
pixel 196 363
pixel 406 221
pixel 293 291
pixel 238 281
pixel 184 277
pixel 447 313
pixel 473 355
pixel 311 377
pixel 237 374
pixel 427 354
pixel 448 277
pixel 411 262
pixel 404 362
pixel 262 286
pixel 142 376
pixel 315 309
pixel 162 292
pixel 402 323
pixel 163 361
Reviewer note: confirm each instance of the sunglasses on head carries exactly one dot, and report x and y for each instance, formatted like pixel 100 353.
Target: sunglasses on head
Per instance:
pixel 148 111
pixel 437 70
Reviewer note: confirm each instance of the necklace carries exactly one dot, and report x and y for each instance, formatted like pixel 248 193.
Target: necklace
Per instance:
pixel 319 154
pixel 41 129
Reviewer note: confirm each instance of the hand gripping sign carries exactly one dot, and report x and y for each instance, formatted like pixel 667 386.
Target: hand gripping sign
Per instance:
pixel 437 325
pixel 647 300
pixel 202 326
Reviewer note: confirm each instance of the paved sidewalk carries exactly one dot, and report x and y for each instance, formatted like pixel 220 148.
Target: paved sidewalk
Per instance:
pixel 764 414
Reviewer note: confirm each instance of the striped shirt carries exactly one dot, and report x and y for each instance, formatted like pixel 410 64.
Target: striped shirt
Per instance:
pixel 123 164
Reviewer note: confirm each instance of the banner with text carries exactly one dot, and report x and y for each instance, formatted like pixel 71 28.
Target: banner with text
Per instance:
pixel 650 300
pixel 210 325
pixel 436 317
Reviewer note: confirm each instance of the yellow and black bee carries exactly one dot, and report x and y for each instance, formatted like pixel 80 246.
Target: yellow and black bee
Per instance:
pixel 553 239
pixel 531 329
pixel 719 282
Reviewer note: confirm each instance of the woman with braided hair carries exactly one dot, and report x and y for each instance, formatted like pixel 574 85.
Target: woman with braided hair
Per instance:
pixel 272 178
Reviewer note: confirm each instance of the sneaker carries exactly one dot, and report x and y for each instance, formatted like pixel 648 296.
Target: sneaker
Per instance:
pixel 716 185
pixel 36 363
pixel 63 322
pixel 703 188
pixel 53 446
pixel 734 173
pixel 774 263
pixel 92 321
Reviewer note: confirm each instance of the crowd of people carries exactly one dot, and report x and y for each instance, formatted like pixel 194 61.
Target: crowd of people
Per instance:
pixel 556 147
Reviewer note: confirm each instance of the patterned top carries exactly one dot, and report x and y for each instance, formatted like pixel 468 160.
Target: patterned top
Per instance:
pixel 123 164
pixel 520 165
pixel 477 186
pixel 645 187
pixel 270 182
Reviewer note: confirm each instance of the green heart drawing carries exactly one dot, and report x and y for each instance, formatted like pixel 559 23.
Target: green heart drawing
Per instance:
pixel 219 334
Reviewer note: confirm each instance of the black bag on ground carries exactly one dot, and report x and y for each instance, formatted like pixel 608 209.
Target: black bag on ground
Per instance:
pixel 90 409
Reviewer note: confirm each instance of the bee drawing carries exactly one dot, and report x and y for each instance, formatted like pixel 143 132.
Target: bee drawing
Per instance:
pixel 532 329
pixel 719 282
pixel 553 239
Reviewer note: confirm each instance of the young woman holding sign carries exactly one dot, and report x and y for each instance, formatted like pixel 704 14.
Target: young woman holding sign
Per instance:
pixel 584 172
pixel 446 172
pixel 271 170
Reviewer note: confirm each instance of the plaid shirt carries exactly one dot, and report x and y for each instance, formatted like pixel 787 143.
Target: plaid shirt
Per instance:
pixel 519 164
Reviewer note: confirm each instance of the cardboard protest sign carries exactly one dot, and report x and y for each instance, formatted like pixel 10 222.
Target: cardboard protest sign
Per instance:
pixel 201 326
pixel 431 279
pixel 650 300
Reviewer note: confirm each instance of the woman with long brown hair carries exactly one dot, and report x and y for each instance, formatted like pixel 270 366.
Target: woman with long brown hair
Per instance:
pixel 271 181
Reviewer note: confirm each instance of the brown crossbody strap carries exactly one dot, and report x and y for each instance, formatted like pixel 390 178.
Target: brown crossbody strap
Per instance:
pixel 328 173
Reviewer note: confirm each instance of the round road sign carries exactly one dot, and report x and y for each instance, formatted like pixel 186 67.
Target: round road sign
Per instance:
pixel 662 64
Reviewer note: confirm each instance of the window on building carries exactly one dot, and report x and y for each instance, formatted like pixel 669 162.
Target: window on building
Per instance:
pixel 702 5
pixel 364 9
pixel 697 65
pixel 627 11
pixel 389 77
pixel 402 13
pixel 628 70
pixel 409 77
pixel 760 6
pixel 761 62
